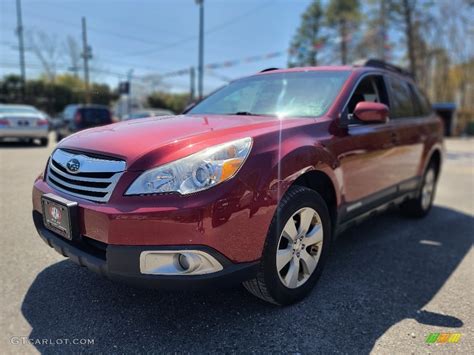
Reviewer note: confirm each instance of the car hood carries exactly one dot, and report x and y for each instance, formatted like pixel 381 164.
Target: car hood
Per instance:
pixel 149 142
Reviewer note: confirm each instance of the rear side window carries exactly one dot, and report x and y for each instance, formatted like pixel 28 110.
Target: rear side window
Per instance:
pixel 69 112
pixel 401 99
pixel 95 116
pixel 422 105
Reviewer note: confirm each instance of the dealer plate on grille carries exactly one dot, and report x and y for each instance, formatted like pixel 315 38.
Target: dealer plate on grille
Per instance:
pixel 60 215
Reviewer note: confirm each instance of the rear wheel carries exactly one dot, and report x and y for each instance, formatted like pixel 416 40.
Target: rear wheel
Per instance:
pixel 295 250
pixel 421 205
pixel 44 142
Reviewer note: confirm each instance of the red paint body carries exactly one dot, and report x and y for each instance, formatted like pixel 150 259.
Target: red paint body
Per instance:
pixel 234 216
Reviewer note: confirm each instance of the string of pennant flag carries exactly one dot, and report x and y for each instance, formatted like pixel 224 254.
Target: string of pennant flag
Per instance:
pixel 318 45
pixel 228 63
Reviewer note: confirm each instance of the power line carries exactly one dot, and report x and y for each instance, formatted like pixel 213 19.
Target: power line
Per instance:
pixel 95 29
pixel 211 30
pixel 186 71
pixel 135 25
pixel 120 63
pixel 171 45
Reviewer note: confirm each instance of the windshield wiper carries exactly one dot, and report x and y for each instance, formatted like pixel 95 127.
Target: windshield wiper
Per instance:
pixel 247 113
pixel 243 113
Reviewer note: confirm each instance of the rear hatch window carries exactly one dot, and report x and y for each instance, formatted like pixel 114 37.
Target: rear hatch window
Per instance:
pixel 91 117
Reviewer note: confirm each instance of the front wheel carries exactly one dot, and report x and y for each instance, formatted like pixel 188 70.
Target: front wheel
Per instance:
pixel 295 250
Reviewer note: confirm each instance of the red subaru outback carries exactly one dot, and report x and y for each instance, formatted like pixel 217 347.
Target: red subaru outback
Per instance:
pixel 251 185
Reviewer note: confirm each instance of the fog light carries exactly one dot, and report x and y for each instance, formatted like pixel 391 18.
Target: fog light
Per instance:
pixel 178 262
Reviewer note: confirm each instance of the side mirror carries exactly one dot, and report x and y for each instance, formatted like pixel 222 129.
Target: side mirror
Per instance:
pixel 371 112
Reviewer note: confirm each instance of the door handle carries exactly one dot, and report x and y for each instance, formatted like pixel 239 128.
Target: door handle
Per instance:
pixel 394 137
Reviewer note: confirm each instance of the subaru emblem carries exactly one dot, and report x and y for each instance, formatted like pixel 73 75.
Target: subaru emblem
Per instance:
pixel 73 166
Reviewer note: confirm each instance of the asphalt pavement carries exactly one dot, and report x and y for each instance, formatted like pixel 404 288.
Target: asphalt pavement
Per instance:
pixel 389 283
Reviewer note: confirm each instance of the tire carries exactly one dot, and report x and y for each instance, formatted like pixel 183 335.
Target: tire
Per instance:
pixel 420 206
pixel 44 142
pixel 279 286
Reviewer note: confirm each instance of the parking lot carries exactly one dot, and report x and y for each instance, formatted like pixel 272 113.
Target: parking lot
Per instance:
pixel 389 283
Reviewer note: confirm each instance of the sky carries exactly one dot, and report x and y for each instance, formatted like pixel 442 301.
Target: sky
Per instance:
pixel 156 36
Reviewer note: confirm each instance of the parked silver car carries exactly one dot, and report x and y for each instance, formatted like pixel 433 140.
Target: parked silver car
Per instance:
pixel 23 122
pixel 148 113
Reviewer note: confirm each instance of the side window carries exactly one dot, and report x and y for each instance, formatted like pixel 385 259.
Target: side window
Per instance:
pixel 69 112
pixel 422 105
pixel 401 99
pixel 371 88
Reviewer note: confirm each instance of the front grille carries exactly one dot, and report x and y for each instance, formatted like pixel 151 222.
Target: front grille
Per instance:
pixel 93 180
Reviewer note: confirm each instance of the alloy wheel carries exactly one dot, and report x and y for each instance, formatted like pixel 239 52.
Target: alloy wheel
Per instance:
pixel 299 247
pixel 428 189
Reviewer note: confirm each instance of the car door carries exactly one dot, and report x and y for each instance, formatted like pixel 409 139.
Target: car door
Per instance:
pixel 408 123
pixel 366 151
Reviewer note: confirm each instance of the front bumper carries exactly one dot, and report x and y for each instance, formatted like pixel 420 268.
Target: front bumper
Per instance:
pixel 30 132
pixel 228 218
pixel 121 263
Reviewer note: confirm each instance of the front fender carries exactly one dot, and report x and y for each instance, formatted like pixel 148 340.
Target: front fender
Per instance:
pixel 271 171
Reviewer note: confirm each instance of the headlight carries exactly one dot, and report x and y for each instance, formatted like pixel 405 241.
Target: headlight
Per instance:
pixel 196 172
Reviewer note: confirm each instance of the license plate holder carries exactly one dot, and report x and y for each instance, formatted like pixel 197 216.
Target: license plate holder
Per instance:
pixel 60 215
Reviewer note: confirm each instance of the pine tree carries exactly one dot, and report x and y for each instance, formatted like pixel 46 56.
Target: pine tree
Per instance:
pixel 343 15
pixel 308 40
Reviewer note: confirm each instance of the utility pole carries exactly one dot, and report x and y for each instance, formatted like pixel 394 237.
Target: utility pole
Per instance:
pixel 21 47
pixel 192 82
pixel 129 96
pixel 86 55
pixel 200 3
pixel 383 30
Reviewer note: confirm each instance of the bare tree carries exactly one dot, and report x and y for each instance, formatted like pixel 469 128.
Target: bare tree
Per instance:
pixel 47 50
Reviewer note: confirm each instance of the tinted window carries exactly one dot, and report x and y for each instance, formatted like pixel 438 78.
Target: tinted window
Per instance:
pixel 422 105
pixel 278 94
pixel 69 112
pixel 94 117
pixel 401 99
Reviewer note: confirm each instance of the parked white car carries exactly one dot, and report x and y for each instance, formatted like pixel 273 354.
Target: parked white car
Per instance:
pixel 23 122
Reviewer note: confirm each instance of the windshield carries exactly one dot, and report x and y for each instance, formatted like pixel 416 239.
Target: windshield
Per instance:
pixel 91 117
pixel 18 109
pixel 298 94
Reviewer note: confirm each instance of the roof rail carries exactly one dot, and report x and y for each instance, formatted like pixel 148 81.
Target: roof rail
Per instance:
pixel 377 63
pixel 268 69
